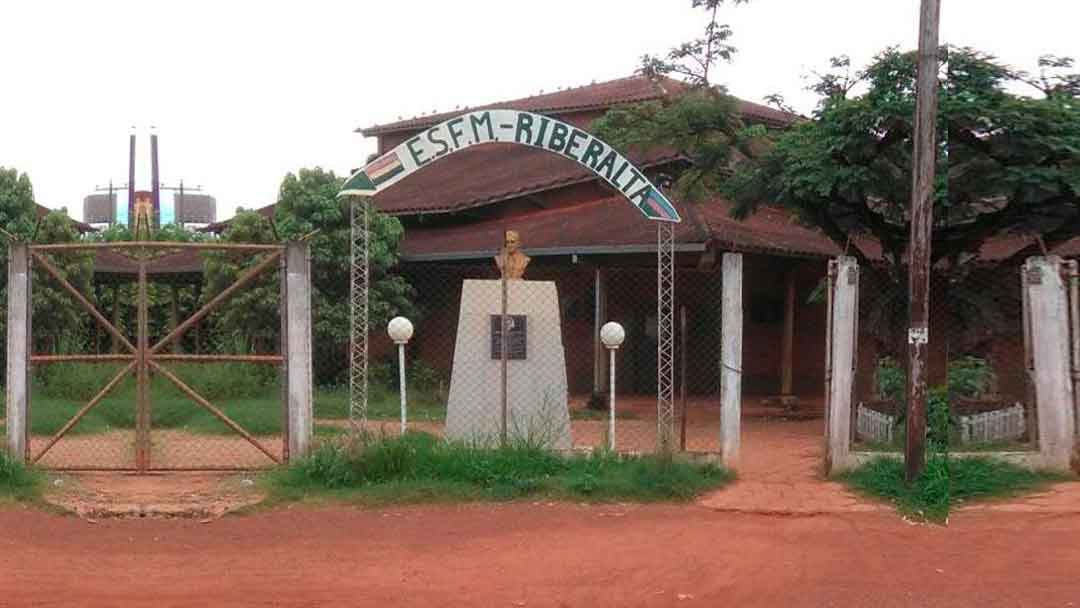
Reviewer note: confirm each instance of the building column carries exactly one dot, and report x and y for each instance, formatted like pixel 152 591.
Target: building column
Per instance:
pixel 300 375
pixel 843 318
pixel 1049 308
pixel 18 349
pixel 731 338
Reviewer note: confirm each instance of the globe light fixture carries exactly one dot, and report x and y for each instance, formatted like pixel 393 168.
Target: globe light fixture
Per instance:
pixel 612 335
pixel 401 331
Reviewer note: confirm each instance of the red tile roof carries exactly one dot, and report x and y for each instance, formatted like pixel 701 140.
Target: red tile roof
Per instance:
pixel 613 225
pixel 82 227
pixel 590 97
pixel 487 174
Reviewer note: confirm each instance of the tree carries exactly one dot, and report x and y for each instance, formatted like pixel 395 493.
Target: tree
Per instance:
pixel 17 212
pixel 250 318
pixel 699 120
pixel 693 60
pixel 1008 163
pixel 60 323
pixel 308 207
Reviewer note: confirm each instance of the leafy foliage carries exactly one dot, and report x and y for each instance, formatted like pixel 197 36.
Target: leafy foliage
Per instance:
pixel 1007 164
pixel 308 208
pixel 693 60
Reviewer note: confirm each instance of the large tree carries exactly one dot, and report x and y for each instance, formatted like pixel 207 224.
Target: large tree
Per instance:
pixel 1008 163
pixel 308 206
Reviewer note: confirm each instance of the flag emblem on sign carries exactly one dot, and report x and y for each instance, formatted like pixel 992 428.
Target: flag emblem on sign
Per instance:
pixel 384 168
pixel 657 206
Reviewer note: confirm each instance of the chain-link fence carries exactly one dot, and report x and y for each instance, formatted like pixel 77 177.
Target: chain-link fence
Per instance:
pixel 212 396
pixel 978 362
pixel 557 370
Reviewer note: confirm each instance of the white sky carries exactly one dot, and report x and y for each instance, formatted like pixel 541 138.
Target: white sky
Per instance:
pixel 242 92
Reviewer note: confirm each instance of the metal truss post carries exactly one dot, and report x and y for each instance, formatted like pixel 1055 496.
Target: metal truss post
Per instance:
pixel 665 336
pixel 359 220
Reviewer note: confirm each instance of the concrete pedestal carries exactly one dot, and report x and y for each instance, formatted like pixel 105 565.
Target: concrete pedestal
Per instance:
pixel 537 409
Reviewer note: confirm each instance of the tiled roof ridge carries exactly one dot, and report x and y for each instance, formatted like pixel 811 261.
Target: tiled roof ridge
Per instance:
pixel 661 87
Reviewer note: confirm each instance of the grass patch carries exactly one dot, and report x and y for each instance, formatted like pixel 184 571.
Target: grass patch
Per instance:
pixel 945 483
pixel 17 481
pixel 422 468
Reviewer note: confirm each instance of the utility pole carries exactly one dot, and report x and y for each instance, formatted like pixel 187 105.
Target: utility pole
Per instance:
pixel 922 206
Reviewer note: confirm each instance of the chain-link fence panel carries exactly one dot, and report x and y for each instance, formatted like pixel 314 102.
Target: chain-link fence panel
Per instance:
pixel 212 396
pixel 978 363
pixel 557 390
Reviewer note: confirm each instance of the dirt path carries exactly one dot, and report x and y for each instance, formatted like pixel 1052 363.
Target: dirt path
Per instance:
pixel 538 555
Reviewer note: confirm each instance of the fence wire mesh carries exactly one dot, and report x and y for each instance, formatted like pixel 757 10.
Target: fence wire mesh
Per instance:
pixel 223 413
pixel 558 376
pixel 978 361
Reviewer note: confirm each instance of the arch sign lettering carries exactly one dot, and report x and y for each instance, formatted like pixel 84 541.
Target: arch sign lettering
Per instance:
pixel 513 126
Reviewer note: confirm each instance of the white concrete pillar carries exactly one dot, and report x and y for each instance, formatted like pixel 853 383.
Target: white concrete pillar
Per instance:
pixel 18 348
pixel 1049 305
pixel 298 356
pixel 842 328
pixel 731 339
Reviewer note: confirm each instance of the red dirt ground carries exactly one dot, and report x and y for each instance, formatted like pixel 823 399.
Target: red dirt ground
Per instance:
pixel 539 555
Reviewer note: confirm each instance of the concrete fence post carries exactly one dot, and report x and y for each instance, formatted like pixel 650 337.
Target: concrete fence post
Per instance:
pixel 1049 304
pixel 18 347
pixel 300 375
pixel 842 336
pixel 731 360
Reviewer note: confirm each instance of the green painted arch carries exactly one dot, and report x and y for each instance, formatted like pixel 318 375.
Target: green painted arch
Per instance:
pixel 519 127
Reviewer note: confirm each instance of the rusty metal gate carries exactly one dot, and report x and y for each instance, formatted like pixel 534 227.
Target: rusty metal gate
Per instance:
pixel 132 435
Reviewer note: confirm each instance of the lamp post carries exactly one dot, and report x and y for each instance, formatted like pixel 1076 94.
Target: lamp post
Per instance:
pixel 612 335
pixel 401 330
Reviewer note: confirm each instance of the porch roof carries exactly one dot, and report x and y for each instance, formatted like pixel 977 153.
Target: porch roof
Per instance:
pixel 611 225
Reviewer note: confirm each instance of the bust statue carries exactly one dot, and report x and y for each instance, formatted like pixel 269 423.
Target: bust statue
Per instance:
pixel 511 261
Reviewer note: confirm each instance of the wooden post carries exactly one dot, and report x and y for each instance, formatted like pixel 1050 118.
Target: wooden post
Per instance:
pixel 843 315
pixel 142 394
pixel 787 351
pixel 922 206
pixel 18 351
pixel 1048 300
pixel 504 355
pixel 731 337
pixel 300 372
pixel 600 317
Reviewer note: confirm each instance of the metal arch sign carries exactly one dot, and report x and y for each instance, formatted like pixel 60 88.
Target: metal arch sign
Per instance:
pixel 513 126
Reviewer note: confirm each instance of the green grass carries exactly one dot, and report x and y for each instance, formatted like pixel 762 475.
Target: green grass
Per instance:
pixel 945 483
pixel 17 482
pixel 247 393
pixel 422 468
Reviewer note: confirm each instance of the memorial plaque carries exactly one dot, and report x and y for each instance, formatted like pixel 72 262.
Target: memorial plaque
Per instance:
pixel 516 339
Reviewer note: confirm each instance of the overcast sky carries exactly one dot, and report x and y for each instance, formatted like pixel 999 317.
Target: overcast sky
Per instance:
pixel 242 92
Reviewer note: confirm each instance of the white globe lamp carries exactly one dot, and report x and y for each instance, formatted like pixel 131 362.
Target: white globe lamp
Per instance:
pixel 612 335
pixel 400 330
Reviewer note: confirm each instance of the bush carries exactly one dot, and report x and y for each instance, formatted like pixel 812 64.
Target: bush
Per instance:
pixel 16 480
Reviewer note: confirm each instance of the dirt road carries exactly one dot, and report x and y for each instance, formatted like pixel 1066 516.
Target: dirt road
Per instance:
pixel 539 555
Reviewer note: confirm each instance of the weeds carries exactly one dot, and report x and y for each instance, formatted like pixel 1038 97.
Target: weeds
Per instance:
pixel 17 481
pixel 421 468
pixel 945 483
